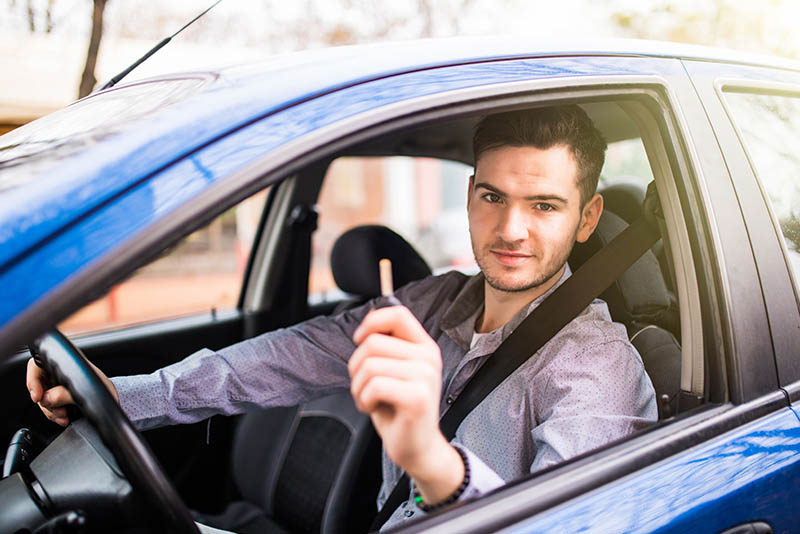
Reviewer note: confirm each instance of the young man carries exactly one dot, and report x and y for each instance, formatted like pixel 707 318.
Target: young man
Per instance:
pixel 531 198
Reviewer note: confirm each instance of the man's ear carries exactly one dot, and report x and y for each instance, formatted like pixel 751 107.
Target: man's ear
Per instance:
pixel 590 216
pixel 469 189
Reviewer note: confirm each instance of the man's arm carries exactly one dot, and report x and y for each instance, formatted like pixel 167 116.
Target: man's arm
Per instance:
pixel 281 368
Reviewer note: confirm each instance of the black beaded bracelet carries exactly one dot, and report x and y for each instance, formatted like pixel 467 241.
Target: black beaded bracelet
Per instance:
pixel 453 496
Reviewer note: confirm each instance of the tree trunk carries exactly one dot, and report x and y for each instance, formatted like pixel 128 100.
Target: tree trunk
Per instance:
pixel 48 25
pixel 88 80
pixel 31 17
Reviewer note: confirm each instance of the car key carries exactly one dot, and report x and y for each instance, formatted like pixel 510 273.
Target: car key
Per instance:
pixel 387 285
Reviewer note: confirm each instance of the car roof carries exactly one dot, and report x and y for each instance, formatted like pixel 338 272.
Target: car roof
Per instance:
pixel 102 146
pixel 215 102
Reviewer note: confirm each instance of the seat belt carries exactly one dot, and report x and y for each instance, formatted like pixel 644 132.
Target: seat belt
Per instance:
pixel 558 309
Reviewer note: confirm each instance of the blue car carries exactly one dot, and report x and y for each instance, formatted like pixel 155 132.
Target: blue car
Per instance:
pixel 160 216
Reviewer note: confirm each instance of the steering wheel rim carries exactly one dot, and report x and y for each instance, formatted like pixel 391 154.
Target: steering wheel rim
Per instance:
pixel 65 363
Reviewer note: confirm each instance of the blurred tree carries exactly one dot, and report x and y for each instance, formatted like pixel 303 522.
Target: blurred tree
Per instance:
pixel 39 16
pixel 88 80
pixel 752 26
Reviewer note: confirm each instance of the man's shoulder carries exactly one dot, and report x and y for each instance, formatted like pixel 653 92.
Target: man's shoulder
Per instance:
pixel 433 293
pixel 450 281
pixel 592 328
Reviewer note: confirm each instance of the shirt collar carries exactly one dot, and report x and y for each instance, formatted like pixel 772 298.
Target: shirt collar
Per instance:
pixel 458 321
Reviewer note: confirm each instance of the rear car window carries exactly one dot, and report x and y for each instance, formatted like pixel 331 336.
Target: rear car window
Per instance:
pixel 770 129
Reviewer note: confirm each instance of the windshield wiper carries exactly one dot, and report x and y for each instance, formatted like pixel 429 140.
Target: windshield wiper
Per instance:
pixel 113 81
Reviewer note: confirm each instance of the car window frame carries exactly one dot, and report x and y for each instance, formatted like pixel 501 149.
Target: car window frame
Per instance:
pixel 728 197
pixel 780 284
pixel 626 85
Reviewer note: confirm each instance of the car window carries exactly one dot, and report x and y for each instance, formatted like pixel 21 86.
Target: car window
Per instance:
pixel 770 129
pixel 626 162
pixel 203 273
pixel 396 192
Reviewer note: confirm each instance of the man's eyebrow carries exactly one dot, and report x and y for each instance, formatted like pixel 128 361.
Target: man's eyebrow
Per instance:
pixel 543 196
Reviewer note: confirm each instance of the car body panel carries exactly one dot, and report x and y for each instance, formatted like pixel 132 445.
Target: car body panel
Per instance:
pixel 77 237
pixel 751 473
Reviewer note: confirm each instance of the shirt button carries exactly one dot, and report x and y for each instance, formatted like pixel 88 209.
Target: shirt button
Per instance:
pixel 449 399
pixel 408 513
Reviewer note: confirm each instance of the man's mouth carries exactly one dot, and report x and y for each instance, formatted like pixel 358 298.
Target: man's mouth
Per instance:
pixel 512 258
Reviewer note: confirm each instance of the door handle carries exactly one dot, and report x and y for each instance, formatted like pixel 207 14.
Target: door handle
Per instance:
pixel 755 527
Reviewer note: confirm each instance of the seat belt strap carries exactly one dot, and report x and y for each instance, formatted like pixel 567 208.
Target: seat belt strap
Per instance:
pixel 558 309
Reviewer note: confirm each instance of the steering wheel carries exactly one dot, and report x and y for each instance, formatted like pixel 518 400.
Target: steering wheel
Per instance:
pixel 67 365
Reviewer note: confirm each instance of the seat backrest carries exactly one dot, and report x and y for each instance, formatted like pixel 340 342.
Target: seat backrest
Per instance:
pixel 315 467
pixel 641 301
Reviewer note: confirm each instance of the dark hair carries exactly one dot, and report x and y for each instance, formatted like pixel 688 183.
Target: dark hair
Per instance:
pixel 543 128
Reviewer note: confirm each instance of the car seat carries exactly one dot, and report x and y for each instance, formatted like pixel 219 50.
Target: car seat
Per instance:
pixel 641 301
pixel 316 467
pixel 625 199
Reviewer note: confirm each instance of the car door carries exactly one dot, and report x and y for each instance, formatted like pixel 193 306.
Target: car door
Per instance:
pixel 733 417
pixel 731 462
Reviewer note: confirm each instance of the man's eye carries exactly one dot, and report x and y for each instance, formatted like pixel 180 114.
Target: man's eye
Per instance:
pixel 544 206
pixel 492 197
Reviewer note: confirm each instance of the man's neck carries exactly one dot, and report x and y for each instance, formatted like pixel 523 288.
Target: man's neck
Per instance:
pixel 501 306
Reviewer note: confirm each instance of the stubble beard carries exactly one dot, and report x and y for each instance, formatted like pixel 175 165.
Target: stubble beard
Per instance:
pixel 543 275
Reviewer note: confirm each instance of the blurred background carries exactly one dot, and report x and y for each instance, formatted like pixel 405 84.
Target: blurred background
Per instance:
pixel 55 51
pixel 44 43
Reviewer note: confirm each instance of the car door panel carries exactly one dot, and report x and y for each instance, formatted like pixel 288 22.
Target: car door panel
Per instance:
pixel 749 474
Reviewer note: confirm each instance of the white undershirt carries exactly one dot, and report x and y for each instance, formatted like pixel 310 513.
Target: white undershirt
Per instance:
pixel 475 337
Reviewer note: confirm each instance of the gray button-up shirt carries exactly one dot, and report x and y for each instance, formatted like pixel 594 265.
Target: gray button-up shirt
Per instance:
pixel 584 388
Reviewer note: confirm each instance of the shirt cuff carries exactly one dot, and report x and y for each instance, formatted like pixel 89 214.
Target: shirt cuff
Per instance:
pixel 482 478
pixel 143 398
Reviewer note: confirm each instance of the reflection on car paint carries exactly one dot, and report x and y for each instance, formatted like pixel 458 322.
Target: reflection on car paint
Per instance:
pixel 750 467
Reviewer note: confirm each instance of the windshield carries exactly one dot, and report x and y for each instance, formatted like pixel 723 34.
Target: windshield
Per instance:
pixel 36 146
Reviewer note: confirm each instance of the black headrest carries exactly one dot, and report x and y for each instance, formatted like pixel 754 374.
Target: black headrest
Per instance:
pixel 640 294
pixel 624 199
pixel 355 256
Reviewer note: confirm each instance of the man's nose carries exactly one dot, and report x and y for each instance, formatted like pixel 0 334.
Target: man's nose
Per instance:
pixel 513 226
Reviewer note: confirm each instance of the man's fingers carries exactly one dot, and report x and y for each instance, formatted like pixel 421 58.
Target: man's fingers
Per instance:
pixel 397 321
pixel 376 366
pixel 390 347
pixel 56 415
pixel 55 397
pixel 35 380
pixel 384 390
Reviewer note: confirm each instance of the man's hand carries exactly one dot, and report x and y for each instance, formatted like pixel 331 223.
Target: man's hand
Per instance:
pixel 396 377
pixel 54 400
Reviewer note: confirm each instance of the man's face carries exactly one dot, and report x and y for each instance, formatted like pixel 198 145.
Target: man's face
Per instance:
pixel 525 215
